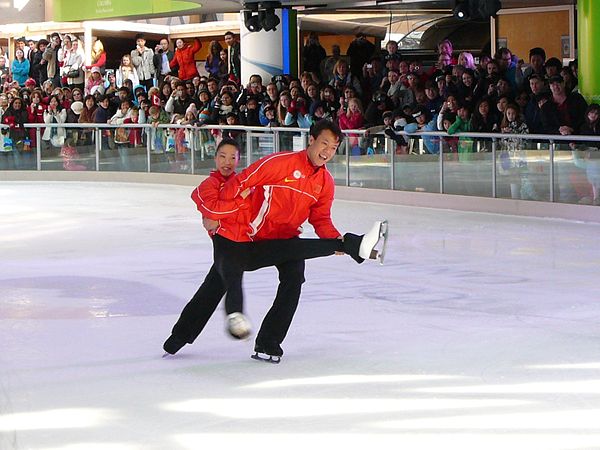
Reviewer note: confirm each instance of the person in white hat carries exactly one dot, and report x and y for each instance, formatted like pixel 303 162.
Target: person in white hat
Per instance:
pixel 73 114
pixel 94 80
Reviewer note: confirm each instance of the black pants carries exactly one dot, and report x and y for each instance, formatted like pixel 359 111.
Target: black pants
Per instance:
pixel 232 259
pixel 147 83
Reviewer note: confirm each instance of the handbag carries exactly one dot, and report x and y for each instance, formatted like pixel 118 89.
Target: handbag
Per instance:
pixel 73 73
pixel 122 136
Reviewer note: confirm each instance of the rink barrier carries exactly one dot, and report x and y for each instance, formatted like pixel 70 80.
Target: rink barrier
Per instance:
pixel 488 179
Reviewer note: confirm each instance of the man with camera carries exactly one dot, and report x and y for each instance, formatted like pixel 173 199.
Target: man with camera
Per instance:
pixel 359 51
pixel 162 58
pixel 50 55
pixel 143 60
pixel 372 75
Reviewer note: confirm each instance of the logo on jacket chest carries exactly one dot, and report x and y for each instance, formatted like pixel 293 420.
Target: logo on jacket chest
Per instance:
pixel 295 176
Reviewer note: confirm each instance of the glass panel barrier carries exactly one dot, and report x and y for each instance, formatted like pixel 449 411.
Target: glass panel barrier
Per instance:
pixel 415 169
pixel 526 167
pixel 577 173
pixel 17 149
pixel 161 155
pixel 130 146
pixel 370 166
pixel 123 149
pixel 338 165
pixel 109 158
pixel 523 170
pixel 261 144
pixel 205 146
pixel 375 164
pixel 290 141
pixel 78 152
pixel 468 166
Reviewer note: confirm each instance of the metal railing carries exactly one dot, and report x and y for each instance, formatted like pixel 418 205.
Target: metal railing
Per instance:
pixel 530 167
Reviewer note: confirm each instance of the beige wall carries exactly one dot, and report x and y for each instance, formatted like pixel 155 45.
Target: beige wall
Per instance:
pixel 34 11
pixel 527 30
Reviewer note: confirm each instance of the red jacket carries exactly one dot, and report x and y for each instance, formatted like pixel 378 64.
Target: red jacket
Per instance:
pixel 135 134
pixel 354 122
pixel 288 190
pixel 206 198
pixel 184 58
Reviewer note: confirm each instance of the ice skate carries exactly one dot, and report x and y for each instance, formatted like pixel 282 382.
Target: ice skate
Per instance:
pixel 360 248
pixel 238 326
pixel 370 241
pixel 271 354
pixel 172 345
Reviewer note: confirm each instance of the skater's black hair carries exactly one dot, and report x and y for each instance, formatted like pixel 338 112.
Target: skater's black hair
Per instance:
pixel 229 141
pixel 321 125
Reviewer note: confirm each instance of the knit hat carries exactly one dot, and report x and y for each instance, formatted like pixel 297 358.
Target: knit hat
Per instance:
pixel 98 89
pixel 192 108
pixel 204 114
pixel 77 107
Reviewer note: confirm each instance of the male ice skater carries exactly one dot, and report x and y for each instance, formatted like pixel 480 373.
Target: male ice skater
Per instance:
pixel 289 188
pixel 233 256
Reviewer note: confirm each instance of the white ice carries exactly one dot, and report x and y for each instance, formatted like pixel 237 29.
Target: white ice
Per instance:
pixel 480 332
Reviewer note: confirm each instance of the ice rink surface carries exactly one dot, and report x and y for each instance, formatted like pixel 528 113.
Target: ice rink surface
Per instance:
pixel 480 332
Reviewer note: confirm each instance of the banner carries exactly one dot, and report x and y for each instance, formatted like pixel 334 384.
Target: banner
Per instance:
pixel 77 10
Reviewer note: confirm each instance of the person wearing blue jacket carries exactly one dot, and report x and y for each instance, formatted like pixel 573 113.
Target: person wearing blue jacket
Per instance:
pixel 20 68
pixel 421 115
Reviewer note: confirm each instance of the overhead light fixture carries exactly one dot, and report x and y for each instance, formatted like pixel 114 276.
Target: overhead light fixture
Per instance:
pixel 270 19
pixel 476 9
pixel 461 10
pixel 265 19
pixel 251 21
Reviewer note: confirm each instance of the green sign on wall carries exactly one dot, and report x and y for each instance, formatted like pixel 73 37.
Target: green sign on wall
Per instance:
pixel 77 10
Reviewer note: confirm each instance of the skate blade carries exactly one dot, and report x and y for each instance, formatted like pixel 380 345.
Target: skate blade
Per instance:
pixel 379 255
pixel 383 233
pixel 270 359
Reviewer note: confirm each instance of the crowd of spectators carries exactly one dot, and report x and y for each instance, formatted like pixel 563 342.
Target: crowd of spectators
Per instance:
pixel 367 88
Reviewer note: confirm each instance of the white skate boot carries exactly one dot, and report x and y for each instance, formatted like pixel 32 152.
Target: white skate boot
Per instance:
pixel 238 326
pixel 371 239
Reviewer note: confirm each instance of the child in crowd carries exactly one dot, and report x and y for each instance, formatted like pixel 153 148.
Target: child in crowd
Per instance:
pixel 127 71
pixel 269 112
pixel 353 119
pixel 121 137
pixel 513 157
pixel 423 122
pixel 450 143
pixel 462 124
pixel 158 136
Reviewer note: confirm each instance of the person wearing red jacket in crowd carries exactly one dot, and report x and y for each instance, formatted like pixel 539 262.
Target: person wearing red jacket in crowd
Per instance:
pixel 353 119
pixel 233 258
pixel 184 59
pixel 36 114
